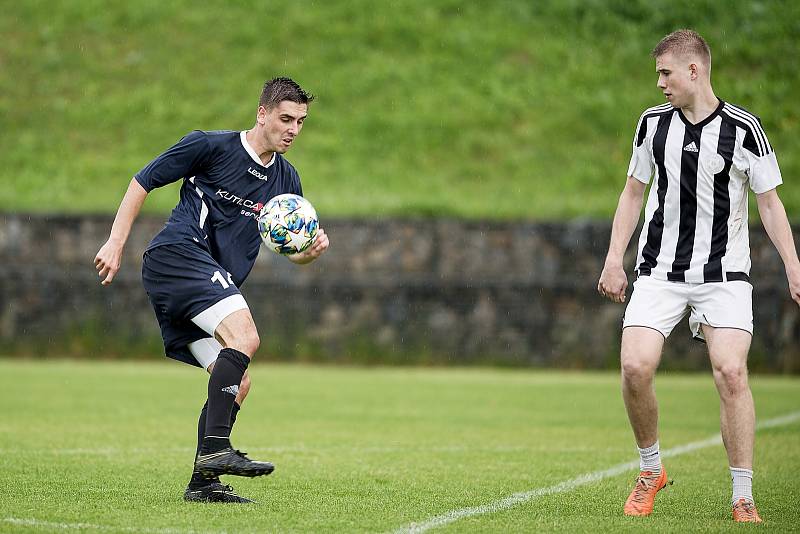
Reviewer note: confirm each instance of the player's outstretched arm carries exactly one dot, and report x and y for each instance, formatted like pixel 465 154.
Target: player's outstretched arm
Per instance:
pixel 773 216
pixel 613 280
pixel 109 257
pixel 316 250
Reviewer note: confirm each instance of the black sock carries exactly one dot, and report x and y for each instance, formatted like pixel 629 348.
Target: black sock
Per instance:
pixel 198 480
pixel 201 423
pixel 201 427
pixel 222 389
pixel 234 412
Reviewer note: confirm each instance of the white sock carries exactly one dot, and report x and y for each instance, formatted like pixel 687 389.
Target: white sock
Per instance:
pixel 650 459
pixel 742 484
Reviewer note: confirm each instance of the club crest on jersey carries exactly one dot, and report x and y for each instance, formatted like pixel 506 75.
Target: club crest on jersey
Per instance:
pixel 714 164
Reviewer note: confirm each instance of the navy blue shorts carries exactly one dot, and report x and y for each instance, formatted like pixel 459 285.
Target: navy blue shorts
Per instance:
pixel 183 280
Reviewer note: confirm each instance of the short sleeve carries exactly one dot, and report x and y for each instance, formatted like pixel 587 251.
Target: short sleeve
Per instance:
pixel 763 172
pixel 758 160
pixel 184 159
pixel 297 187
pixel 641 165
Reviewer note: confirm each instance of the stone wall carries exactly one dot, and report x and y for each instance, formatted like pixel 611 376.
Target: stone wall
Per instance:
pixel 388 291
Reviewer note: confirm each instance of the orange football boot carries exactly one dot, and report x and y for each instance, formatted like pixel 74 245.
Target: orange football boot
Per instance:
pixel 744 511
pixel 643 496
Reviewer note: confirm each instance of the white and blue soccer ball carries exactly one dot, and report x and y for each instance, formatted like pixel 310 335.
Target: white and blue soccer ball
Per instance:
pixel 288 224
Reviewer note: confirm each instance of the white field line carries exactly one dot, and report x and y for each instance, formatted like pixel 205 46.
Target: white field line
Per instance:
pixel 569 485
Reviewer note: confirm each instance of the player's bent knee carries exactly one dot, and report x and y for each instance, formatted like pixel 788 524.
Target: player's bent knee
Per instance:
pixel 249 342
pixel 238 331
pixel 636 369
pixel 245 340
pixel 733 376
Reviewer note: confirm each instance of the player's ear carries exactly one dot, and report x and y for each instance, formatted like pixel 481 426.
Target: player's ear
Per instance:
pixel 693 71
pixel 261 115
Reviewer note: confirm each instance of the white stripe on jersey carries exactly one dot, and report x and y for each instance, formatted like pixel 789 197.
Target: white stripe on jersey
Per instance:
pixel 672 202
pixel 737 251
pixel 203 207
pixel 657 109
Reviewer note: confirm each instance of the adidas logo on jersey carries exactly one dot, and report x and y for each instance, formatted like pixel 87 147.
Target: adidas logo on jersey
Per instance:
pixel 691 147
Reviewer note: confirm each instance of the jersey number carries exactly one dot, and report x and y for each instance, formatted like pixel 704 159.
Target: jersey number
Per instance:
pixel 219 278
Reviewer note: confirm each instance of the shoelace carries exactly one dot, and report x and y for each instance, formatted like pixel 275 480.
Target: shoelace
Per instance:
pixel 746 507
pixel 643 485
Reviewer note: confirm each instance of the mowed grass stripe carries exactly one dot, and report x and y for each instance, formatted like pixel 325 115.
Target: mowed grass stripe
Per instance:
pixel 569 485
pixel 455 515
pixel 109 445
pixel 49 525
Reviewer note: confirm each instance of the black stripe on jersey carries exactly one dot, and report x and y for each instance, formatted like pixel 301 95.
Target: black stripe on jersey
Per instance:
pixel 655 230
pixel 737 276
pixel 688 207
pixel 649 113
pixel 712 271
pixel 752 139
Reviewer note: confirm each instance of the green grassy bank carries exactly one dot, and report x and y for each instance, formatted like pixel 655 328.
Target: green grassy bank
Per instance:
pixel 483 109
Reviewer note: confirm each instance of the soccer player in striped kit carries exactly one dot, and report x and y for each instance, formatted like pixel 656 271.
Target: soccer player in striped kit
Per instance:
pixel 694 254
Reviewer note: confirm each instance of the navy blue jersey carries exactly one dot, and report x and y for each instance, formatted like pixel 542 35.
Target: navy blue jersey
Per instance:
pixel 224 188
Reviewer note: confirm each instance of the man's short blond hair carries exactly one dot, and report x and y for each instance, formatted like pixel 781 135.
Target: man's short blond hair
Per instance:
pixel 685 43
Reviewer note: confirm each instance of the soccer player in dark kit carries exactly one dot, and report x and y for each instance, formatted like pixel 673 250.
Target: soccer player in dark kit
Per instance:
pixel 193 268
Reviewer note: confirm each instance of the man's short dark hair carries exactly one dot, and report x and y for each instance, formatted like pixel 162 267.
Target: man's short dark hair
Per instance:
pixel 277 90
pixel 684 42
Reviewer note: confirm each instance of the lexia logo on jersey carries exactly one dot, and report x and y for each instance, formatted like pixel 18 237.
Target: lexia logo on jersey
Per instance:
pixel 257 174
pixel 249 204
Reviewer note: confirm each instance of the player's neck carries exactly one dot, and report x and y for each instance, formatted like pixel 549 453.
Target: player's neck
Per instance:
pixel 703 105
pixel 258 147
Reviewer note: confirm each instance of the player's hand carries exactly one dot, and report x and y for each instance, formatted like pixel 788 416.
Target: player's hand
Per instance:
pixel 108 261
pixel 794 284
pixel 316 250
pixel 613 283
pixel 321 244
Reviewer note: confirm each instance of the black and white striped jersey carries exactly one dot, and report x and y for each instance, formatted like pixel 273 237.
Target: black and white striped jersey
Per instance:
pixel 695 227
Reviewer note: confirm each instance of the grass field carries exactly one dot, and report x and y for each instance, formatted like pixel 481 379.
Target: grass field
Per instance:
pixel 107 447
pixel 482 109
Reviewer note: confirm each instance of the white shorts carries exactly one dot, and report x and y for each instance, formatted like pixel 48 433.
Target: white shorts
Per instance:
pixel 660 304
pixel 210 318
pixel 206 350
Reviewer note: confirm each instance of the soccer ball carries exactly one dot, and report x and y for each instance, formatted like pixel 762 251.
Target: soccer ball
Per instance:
pixel 288 224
